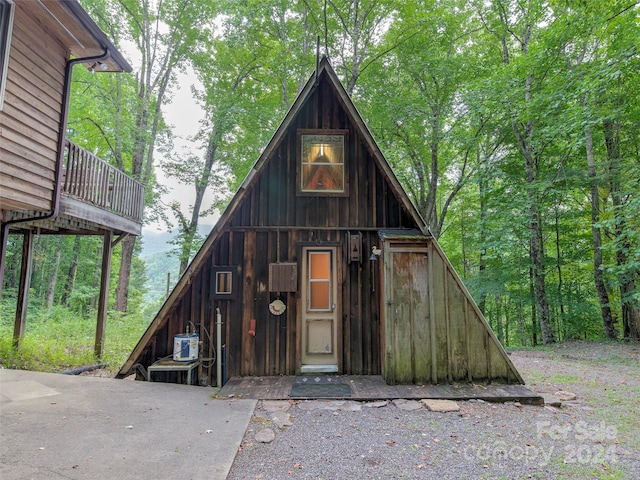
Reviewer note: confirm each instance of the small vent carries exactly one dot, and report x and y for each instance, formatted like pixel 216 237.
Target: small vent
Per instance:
pixel 283 277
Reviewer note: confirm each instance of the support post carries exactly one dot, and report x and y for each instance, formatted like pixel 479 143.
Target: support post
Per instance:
pixel 23 289
pixel 4 235
pixel 103 301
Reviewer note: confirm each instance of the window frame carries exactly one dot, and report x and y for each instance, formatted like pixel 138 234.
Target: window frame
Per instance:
pixel 7 8
pixel 328 281
pixel 232 270
pixel 302 135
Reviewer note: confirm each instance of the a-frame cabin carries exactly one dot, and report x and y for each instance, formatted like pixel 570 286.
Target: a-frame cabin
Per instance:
pixel 322 229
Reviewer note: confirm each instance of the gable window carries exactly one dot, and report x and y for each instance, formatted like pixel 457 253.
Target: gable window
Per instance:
pixel 6 24
pixel 322 162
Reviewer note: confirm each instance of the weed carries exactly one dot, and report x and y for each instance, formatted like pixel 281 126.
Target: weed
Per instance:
pixel 58 339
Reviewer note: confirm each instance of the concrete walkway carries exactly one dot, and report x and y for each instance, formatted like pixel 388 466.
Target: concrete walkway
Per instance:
pixel 67 427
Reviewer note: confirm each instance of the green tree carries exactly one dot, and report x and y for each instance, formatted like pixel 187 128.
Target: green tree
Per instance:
pixel 163 33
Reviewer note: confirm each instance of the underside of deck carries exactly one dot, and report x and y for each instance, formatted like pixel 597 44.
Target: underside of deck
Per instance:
pixel 374 387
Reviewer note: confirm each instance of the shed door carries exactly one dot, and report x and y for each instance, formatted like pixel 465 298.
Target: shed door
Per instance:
pixel 319 342
pixel 407 326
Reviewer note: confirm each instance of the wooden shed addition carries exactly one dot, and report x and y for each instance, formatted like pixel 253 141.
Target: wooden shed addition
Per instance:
pixel 321 263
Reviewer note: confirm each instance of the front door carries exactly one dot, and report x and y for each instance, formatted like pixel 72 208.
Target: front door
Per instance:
pixel 319 319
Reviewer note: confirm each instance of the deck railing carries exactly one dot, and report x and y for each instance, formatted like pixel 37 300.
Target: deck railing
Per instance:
pixel 92 180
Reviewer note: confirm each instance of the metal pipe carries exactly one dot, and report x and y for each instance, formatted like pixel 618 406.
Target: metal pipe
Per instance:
pixel 219 348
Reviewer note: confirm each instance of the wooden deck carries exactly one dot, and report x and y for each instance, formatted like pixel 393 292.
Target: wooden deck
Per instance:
pixel 94 197
pixel 92 180
pixel 373 387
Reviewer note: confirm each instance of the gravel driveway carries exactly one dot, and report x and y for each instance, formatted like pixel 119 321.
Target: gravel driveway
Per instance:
pixel 597 435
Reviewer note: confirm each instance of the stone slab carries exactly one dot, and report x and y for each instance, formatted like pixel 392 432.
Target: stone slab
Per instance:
pixel 440 405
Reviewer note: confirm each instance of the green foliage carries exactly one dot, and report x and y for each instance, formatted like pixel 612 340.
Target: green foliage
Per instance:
pixel 158 266
pixel 59 339
pixel 446 87
pixel 456 93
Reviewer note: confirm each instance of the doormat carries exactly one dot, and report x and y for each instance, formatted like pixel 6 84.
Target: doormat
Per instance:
pixel 320 386
pixel 318 379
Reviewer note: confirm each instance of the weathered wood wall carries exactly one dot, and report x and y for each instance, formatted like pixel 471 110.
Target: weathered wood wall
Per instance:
pixel 433 331
pixel 270 226
pixel 30 118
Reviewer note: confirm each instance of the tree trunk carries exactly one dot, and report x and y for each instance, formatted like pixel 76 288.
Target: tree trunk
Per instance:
pixel 630 315
pixel 71 274
pixel 95 278
pixel 532 302
pixel 520 317
pixel 630 310
pixel 483 187
pixel 39 252
pixel 499 332
pixel 603 296
pixel 506 325
pixel 11 264
pixel 201 184
pixel 122 289
pixel 537 254
pixel 559 324
pixel 463 245
pixel 524 132
pixel 53 278
pixel 536 243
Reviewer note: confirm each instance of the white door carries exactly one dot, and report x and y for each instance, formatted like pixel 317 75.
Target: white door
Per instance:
pixel 319 345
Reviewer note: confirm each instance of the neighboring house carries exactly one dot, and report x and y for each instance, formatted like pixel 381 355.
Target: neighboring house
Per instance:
pixel 48 184
pixel 321 263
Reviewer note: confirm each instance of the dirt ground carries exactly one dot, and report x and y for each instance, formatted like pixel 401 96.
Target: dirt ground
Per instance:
pixel 594 436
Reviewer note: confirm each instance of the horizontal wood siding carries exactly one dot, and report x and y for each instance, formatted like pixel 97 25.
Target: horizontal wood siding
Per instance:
pixel 30 119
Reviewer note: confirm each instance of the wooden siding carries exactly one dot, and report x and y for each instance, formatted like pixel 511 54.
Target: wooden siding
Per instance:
pixel 30 119
pixel 434 332
pixel 270 226
pixel 408 316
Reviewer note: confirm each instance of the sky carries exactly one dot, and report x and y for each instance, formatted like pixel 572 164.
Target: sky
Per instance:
pixel 184 114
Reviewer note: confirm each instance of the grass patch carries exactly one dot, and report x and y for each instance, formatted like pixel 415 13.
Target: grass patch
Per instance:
pixel 592 470
pixel 566 379
pixel 622 412
pixel 58 339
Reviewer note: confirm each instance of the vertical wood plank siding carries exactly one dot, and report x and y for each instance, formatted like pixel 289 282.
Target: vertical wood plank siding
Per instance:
pixel 272 216
pixel 453 343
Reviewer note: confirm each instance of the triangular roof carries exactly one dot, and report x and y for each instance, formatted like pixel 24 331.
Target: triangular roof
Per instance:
pixel 355 117
pixel 342 95
pixel 455 309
